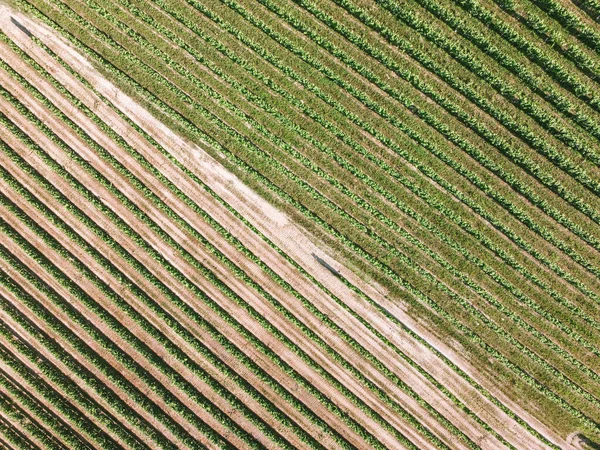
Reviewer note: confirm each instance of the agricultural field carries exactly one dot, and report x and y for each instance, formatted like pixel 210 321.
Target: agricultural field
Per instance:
pixel 300 224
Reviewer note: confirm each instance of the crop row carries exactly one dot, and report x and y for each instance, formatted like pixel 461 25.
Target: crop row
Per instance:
pixel 346 365
pixel 535 53
pixel 362 151
pixel 554 397
pixel 159 258
pixel 518 240
pixel 579 284
pixel 31 404
pixel 102 365
pixel 11 433
pixel 546 120
pixel 392 225
pixel 145 324
pixel 571 22
pixel 545 91
pixel 453 109
pixel 519 214
pixel 89 428
pixel 155 26
pixel 220 148
pixel 11 411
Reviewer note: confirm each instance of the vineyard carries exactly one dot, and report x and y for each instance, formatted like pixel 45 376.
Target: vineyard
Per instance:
pixel 300 224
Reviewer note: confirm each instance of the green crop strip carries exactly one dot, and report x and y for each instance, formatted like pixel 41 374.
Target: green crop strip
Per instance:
pixel 9 408
pixel 544 91
pixel 389 170
pixel 14 436
pixel 100 363
pixel 174 377
pixel 495 140
pixel 44 389
pixel 473 178
pixel 536 54
pixel 141 268
pixel 572 23
pixel 468 60
pixel 553 370
pixel 361 97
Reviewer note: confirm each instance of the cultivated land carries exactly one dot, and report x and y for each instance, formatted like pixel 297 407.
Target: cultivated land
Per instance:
pixel 291 224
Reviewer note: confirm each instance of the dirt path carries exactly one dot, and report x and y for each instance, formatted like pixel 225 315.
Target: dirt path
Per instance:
pixel 295 243
pixel 314 296
pixel 277 291
pixel 184 320
pixel 241 315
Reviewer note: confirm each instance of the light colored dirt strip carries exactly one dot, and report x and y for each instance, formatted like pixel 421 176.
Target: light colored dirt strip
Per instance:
pixel 268 220
pixel 94 345
pixel 241 343
pixel 241 315
pixel 589 279
pixel 279 293
pixel 317 267
pixel 94 292
pixel 227 358
pixel 294 242
pixel 23 422
pixel 192 327
pixel 20 381
pixel 124 187
pixel 35 406
pixel 174 231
